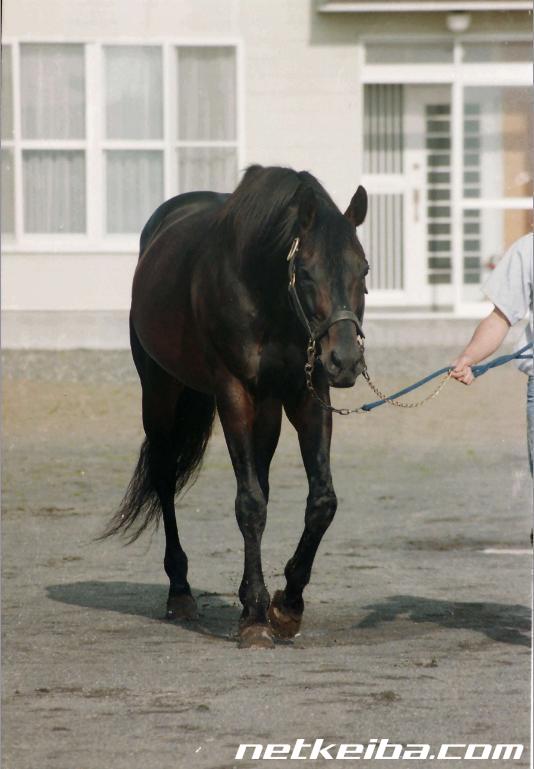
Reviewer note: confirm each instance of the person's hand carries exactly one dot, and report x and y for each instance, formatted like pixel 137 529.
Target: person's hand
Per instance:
pixel 462 370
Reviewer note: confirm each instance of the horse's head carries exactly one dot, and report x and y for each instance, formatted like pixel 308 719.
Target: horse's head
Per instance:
pixel 329 275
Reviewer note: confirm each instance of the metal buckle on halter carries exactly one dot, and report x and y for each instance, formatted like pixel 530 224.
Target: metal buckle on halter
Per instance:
pixel 293 250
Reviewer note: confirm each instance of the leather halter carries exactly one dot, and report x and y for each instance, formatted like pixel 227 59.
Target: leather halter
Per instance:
pixel 315 330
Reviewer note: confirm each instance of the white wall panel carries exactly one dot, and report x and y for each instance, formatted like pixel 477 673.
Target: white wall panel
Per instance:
pixel 67 281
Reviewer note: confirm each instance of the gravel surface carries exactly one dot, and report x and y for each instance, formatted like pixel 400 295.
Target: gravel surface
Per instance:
pixel 412 631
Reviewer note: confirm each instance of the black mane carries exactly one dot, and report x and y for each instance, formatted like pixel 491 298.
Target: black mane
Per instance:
pixel 260 215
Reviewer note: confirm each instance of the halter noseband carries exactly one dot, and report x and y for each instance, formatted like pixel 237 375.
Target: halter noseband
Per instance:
pixel 316 330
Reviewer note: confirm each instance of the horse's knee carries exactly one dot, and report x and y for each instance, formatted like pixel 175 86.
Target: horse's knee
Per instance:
pixel 321 510
pixel 251 511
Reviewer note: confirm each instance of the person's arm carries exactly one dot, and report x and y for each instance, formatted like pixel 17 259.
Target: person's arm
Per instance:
pixel 488 337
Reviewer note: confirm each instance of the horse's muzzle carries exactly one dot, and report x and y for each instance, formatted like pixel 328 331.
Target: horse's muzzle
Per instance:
pixel 342 370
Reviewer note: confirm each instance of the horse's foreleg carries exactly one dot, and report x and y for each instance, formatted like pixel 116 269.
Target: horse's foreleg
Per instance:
pixel 267 425
pixel 314 427
pixel 239 415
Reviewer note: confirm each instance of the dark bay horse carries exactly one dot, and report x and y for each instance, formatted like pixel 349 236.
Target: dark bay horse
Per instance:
pixel 212 329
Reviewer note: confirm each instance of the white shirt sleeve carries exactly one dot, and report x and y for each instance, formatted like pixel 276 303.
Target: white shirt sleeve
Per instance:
pixel 510 284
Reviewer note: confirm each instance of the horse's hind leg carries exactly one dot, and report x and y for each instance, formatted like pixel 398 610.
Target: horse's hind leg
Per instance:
pixel 177 422
pixel 161 397
pixel 314 427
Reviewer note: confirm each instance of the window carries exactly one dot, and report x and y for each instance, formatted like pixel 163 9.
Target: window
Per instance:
pixel 206 118
pixel 99 135
pixel 8 172
pixel 383 230
pixel 504 51
pixel 497 166
pixel 487 234
pixel 52 116
pixel 8 192
pixel 391 53
pixel 498 140
pixel 134 113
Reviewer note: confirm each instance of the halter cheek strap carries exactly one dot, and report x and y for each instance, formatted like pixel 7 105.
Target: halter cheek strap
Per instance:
pixel 315 330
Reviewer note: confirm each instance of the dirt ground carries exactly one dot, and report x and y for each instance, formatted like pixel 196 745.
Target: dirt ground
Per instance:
pixel 417 619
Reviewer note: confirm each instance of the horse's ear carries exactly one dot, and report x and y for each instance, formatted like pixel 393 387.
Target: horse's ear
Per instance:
pixel 307 205
pixel 357 210
pixel 251 172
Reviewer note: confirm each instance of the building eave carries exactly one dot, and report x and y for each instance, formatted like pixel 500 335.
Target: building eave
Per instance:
pixel 422 6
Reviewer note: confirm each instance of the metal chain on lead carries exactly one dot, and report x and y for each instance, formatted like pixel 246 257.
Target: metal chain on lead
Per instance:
pixel 310 365
pixel 400 405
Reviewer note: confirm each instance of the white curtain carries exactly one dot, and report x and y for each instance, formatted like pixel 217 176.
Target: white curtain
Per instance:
pixel 8 187
pixel 134 93
pixel 206 93
pixel 54 191
pixel 52 91
pixel 207 168
pixel 134 188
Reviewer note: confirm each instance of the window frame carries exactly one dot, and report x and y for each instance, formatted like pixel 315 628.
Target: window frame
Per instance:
pixel 9 144
pixel 95 144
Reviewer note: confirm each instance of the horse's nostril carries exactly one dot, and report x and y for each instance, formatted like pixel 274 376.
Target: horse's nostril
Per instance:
pixel 339 362
pixel 336 360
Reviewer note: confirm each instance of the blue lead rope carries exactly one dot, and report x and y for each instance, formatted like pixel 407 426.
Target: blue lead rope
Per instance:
pixel 478 370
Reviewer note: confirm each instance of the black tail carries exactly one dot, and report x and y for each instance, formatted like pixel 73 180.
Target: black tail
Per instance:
pixel 140 507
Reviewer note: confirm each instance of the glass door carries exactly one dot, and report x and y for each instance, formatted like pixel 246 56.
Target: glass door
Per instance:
pixel 383 233
pixel 497 178
pixel 448 167
pixel 407 160
pixel 428 158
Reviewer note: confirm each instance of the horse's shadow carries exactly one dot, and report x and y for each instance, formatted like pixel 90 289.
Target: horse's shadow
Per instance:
pixel 506 623
pixel 218 615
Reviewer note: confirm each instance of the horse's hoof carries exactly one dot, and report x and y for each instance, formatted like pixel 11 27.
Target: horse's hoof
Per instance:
pixel 256 637
pixel 284 622
pixel 182 607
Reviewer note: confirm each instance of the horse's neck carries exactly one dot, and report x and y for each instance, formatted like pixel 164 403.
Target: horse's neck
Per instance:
pixel 265 273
